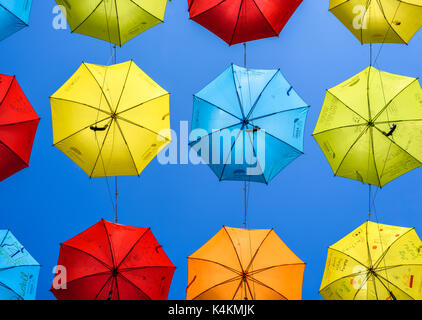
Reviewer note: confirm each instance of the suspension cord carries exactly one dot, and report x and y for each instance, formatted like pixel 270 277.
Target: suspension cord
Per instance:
pixel 370 207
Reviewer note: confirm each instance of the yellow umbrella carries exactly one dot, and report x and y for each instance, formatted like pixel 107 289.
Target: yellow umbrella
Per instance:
pixel 113 21
pixel 242 264
pixel 111 120
pixel 370 127
pixel 374 262
pixel 380 21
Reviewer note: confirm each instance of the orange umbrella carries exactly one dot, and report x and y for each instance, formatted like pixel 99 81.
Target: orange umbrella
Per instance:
pixel 242 264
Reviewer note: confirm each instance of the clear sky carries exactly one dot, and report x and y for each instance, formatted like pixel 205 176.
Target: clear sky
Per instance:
pixel 185 205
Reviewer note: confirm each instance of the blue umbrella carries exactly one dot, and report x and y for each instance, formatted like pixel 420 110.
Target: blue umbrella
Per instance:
pixel 18 270
pixel 14 16
pixel 248 124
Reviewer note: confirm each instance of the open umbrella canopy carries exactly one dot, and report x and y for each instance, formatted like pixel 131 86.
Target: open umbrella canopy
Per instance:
pixel 111 121
pixel 18 126
pixel 113 262
pixel 374 262
pixel 237 21
pixel 370 127
pixel 113 21
pixel 18 270
pixel 380 21
pixel 242 264
pixel 248 124
pixel 14 16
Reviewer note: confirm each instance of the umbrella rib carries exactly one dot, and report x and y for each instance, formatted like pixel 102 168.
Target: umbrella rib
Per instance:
pixel 149 13
pixel 96 297
pixel 215 106
pixel 260 95
pixel 145 102
pixel 400 147
pixel 134 285
pixel 79 131
pixel 207 9
pixel 265 18
pixel 237 290
pixel 18 156
pixel 234 247
pixel 134 245
pixel 10 289
pixel 389 247
pixel 26 24
pixel 127 146
pixel 92 256
pixel 390 24
pixel 214 132
pixel 330 248
pixel 278 112
pixel 109 243
pixel 257 250
pixel 80 103
pixel 365 282
pixel 301 152
pixel 348 151
pixel 217 285
pixel 140 126
pixel 277 266
pixel 8 89
pixel 95 9
pixel 398 266
pixel 237 93
pixel 341 278
pixel 381 277
pixel 146 267
pixel 237 21
pixel 268 287
pixel 217 263
pixel 229 155
pixel 4 238
pixel 342 127
pixel 389 103
pixel 20 266
pixel 124 85
pixel 101 88
pixel 249 289
pixel 101 150
pixel 366 121
pixel 118 31
pixel 88 276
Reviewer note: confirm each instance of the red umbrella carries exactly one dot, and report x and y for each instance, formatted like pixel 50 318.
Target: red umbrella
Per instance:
pixel 110 261
pixel 237 21
pixel 18 125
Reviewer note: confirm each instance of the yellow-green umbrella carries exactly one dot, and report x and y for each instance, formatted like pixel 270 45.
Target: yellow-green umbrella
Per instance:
pixel 113 21
pixel 370 127
pixel 380 21
pixel 374 262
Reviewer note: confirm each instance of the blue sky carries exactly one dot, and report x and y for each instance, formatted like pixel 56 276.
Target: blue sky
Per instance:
pixel 185 205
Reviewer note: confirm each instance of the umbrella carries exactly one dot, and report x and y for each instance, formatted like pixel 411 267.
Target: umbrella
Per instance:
pixel 374 262
pixel 113 21
pixel 380 21
pixel 18 270
pixel 18 125
pixel 370 127
pixel 242 264
pixel 248 124
pixel 14 16
pixel 113 262
pixel 237 21
pixel 111 121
